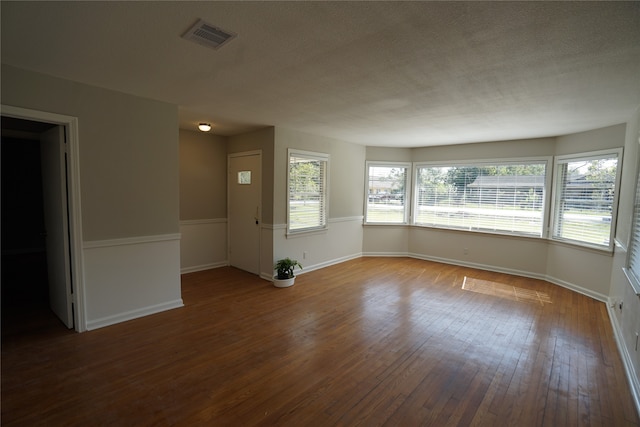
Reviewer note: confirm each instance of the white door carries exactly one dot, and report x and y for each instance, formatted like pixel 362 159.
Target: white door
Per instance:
pixel 244 210
pixel 54 189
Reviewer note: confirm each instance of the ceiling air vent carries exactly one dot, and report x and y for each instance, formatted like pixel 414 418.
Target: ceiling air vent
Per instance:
pixel 208 35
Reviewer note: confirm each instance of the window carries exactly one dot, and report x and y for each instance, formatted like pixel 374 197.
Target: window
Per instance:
pixel 585 198
pixel 502 197
pixel 386 199
pixel 244 177
pixel 633 266
pixel 307 182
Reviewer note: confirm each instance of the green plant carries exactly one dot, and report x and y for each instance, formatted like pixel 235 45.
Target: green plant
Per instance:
pixel 285 268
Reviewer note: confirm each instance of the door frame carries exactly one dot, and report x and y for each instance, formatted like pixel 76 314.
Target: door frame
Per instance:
pixel 229 157
pixel 74 211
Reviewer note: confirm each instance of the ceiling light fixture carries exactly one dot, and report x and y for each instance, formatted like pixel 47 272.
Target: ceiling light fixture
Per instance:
pixel 204 127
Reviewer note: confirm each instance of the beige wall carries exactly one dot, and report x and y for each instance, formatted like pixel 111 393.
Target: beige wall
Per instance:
pixel 203 201
pixel 129 191
pixel 343 239
pixel 524 256
pixel 346 177
pixel 593 140
pixel 386 154
pixel 128 153
pixel 203 175
pixel 262 140
pixel 346 191
pixel 626 320
pixel 486 150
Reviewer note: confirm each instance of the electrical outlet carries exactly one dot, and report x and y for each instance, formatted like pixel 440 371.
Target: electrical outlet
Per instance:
pixel 304 255
pixel 465 251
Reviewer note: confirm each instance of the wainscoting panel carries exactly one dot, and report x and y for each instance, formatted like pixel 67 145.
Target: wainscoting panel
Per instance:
pixel 203 245
pixel 130 278
pixel 342 241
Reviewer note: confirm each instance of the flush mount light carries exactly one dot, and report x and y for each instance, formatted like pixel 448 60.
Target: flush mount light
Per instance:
pixel 204 127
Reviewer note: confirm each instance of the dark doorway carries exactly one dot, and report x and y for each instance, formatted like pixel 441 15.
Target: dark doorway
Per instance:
pixel 25 291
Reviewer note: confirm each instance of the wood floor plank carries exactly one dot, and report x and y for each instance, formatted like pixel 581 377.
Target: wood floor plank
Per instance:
pixel 372 341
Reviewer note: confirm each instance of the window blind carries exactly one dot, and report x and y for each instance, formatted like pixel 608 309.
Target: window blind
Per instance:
pixel 495 197
pixel 307 182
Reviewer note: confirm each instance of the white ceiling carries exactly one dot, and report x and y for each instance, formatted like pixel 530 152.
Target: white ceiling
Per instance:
pixel 375 73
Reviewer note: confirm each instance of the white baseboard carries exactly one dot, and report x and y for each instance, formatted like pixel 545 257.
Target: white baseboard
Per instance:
pixel 329 262
pixel 632 375
pixel 133 314
pixel 203 267
pixel 266 276
pixel 307 269
pixel 592 294
pixel 387 254
pixel 479 266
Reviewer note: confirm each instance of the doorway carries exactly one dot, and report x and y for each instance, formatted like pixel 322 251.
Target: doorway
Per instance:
pixel 24 264
pixel 244 210
pixel 40 181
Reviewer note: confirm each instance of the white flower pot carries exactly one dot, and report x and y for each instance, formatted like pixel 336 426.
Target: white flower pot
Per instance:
pixel 283 283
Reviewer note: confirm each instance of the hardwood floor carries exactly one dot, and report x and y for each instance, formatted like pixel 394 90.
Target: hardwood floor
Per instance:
pixel 373 341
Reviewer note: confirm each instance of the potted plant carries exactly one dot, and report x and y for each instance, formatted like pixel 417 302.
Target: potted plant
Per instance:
pixel 285 277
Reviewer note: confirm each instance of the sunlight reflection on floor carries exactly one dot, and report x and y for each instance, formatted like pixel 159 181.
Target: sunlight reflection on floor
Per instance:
pixel 501 290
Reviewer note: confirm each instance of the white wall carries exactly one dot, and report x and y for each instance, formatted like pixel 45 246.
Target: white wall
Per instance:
pixel 129 278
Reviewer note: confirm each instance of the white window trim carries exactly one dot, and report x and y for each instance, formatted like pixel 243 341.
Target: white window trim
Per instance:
pixel 407 190
pixel 316 156
pixel 590 155
pixel 546 212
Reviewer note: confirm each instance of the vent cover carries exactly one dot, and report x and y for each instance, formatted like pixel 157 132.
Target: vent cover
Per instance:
pixel 208 35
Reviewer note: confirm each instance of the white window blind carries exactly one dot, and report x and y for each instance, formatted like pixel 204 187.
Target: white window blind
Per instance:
pixel 585 198
pixel 633 268
pixel 494 197
pixel 387 191
pixel 307 183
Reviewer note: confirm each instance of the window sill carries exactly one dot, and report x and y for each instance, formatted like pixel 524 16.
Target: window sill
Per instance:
pixel 377 224
pixel 586 248
pixel 481 231
pixel 304 233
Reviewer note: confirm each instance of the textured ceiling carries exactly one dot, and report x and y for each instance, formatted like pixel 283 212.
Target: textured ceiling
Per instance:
pixel 375 73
